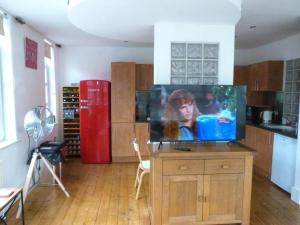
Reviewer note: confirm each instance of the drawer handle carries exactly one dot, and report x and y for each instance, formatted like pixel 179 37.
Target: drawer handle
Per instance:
pixel 183 167
pixel 224 166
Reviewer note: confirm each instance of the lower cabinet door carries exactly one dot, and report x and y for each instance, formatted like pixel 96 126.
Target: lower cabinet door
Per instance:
pixel 223 199
pixel 122 135
pixel 182 199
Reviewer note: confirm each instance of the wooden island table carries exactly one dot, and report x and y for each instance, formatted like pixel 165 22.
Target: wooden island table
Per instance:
pixel 208 183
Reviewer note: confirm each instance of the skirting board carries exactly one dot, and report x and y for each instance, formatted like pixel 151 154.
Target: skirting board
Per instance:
pixel 295 195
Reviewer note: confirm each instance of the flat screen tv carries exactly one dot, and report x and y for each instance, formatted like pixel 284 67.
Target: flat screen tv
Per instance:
pixel 197 113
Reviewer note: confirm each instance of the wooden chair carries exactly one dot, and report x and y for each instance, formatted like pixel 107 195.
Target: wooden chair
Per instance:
pixel 143 166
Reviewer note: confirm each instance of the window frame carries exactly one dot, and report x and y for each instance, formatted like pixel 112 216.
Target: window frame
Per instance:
pixel 2 111
pixel 49 81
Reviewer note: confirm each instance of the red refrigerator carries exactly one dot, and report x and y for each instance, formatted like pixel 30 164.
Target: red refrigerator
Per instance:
pixel 95 121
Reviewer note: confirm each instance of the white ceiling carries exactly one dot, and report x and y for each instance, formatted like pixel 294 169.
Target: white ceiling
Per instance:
pixel 275 19
pixel 133 20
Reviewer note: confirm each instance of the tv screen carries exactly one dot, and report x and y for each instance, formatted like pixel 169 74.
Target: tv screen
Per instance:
pixel 197 112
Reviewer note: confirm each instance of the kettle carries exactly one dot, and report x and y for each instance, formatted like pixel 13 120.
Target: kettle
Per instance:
pixel 266 116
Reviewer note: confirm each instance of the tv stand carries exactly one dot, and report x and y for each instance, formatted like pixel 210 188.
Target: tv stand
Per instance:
pixel 214 176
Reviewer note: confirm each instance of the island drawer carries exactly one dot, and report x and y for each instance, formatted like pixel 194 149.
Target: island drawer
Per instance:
pixel 216 166
pixel 173 167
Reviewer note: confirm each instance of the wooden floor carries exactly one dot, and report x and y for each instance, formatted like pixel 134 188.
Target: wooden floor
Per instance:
pixel 105 194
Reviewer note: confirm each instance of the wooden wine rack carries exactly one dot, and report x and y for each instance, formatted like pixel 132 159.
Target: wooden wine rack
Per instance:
pixel 71 120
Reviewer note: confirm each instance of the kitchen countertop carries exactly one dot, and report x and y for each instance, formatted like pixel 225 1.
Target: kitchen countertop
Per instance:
pixel 288 133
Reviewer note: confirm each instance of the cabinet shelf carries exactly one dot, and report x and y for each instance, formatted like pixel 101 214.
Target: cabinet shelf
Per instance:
pixel 70 97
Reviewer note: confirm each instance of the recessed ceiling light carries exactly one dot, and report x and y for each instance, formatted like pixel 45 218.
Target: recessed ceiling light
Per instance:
pixel 253 26
pixel 125 41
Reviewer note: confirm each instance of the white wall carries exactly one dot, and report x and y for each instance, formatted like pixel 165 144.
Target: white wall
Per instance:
pixel 285 49
pixel 29 92
pixel 83 63
pixel 164 34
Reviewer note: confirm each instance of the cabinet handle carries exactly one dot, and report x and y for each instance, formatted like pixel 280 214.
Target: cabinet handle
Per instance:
pixel 258 85
pixel 200 198
pixel 205 199
pixel 224 166
pixel 183 167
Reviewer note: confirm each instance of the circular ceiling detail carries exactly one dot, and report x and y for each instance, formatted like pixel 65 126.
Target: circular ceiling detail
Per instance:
pixel 134 20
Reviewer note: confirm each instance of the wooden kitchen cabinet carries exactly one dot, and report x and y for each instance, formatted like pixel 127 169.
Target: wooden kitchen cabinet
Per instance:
pixel 126 78
pixel 241 75
pixel 250 136
pixel 122 92
pixel 264 148
pixel 216 197
pixel 211 184
pixel 261 141
pixel 144 76
pixel 266 76
pixel 142 135
pixel 122 135
pixel 225 197
pixel 178 207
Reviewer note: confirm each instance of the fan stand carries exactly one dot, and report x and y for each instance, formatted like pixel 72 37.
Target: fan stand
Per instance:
pixel 35 156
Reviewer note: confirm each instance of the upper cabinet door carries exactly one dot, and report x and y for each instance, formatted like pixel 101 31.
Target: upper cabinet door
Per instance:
pixel 241 75
pixel 266 76
pixel 122 92
pixel 144 76
pixel 275 78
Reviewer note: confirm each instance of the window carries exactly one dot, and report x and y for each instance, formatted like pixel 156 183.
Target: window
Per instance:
pixel 292 91
pixel 7 101
pixel 50 88
pixel 2 128
pixel 2 124
pixel 194 63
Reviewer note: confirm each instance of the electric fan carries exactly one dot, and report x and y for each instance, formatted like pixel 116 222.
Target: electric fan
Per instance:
pixel 39 123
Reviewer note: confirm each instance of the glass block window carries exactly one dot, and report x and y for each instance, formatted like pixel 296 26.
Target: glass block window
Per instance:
pixel 292 90
pixel 194 63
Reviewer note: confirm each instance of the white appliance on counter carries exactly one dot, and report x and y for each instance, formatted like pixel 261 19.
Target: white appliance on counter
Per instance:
pixel 266 116
pixel 284 161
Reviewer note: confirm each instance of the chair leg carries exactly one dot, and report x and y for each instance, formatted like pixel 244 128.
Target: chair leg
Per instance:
pixel 140 184
pixel 137 176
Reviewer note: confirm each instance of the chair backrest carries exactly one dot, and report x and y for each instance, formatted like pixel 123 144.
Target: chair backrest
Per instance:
pixel 137 149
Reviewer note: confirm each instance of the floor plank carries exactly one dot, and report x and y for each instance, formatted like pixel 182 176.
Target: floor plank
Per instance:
pixel 105 195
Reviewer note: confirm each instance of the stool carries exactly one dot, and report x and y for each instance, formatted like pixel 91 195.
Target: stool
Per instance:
pixel 53 152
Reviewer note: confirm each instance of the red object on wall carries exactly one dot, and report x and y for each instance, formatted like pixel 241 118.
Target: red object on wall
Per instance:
pixel 31 51
pixel 95 121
